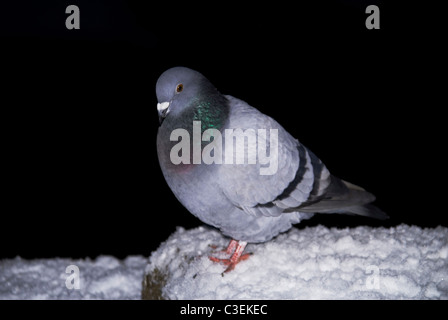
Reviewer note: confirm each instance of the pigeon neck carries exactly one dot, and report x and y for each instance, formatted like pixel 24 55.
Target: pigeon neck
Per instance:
pixel 211 110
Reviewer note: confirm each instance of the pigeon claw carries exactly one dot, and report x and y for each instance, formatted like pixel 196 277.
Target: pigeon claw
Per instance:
pixel 236 249
pixel 229 263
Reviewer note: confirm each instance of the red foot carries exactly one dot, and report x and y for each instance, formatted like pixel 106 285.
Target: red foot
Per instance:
pixel 237 248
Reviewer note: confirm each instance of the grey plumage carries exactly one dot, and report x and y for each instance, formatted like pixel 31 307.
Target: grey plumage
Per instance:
pixel 235 198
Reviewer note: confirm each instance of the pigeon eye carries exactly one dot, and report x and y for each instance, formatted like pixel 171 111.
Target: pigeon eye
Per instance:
pixel 179 87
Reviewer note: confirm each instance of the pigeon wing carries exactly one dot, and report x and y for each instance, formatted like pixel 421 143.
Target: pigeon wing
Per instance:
pixel 290 181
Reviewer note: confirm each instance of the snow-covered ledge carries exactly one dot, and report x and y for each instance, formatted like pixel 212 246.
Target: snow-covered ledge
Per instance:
pixel 404 262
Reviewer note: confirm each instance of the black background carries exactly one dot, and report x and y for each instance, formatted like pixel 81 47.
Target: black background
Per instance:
pixel 80 175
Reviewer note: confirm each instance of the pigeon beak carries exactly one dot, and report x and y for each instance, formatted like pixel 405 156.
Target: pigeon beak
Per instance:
pixel 163 109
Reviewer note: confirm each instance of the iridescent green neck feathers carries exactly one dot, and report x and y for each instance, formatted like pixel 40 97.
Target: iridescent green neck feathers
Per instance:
pixel 211 111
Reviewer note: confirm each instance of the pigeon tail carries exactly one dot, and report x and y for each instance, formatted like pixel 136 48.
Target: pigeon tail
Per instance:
pixel 346 198
pixel 367 210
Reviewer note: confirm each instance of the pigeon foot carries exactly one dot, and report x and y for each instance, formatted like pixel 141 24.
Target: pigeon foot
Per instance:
pixel 236 249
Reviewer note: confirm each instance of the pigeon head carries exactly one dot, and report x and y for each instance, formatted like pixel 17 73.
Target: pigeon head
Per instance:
pixel 185 94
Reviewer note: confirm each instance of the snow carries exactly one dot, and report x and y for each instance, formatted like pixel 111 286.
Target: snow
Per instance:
pixel 43 279
pixel 404 262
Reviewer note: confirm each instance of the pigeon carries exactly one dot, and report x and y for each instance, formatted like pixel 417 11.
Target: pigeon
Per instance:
pixel 239 170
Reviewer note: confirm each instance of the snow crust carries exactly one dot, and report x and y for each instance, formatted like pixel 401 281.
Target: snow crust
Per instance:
pixel 314 263
pixel 45 279
pixel 404 262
